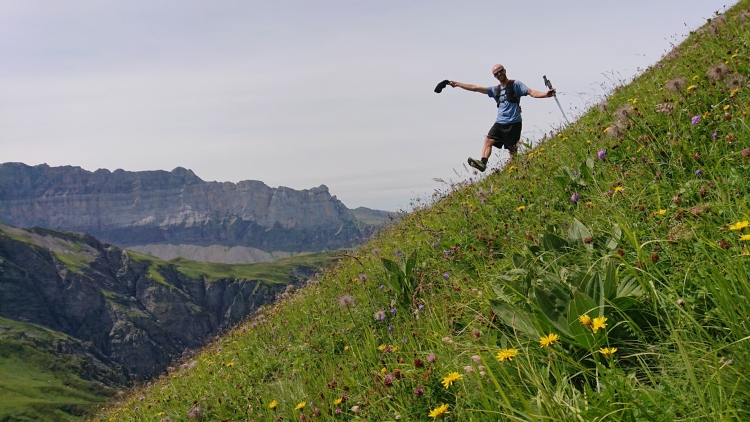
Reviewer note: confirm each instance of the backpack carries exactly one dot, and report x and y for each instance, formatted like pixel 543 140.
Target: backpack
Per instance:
pixel 510 93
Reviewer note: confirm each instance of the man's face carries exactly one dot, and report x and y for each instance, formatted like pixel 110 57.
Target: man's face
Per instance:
pixel 499 73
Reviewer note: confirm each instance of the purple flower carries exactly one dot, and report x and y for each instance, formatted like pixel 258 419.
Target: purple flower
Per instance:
pixel 601 154
pixel 431 358
pixel 715 135
pixel 338 411
pixel 418 391
pixel 659 65
pixel 447 276
pixel 420 306
pixel 447 252
pixel 575 197
pixel 393 311
pixel 388 379
pixel 699 172
pixel 381 287
pixel 695 119
pixel 398 253
pixel 390 328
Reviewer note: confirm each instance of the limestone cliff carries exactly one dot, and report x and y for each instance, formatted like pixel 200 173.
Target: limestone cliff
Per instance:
pixel 177 207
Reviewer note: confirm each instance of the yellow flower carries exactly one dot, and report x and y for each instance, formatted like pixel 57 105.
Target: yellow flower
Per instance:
pixel 301 405
pixel 337 401
pixel 450 378
pixel 549 340
pixel 662 212
pixel 511 168
pixel 521 208
pixel 608 351
pixel 696 77
pixel 739 225
pixel 726 107
pixel 382 347
pixel 346 348
pixel 383 370
pixel 599 322
pixel 619 189
pixel 734 92
pixel 734 55
pixel 273 404
pixel 691 87
pixel 439 411
pixel 506 354
pixel 745 237
pixel 585 320
pixel 230 364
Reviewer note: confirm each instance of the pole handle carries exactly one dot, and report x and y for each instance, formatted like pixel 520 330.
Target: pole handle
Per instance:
pixel 547 82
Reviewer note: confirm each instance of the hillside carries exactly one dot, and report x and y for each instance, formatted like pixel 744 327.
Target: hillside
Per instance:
pixel 80 319
pixel 158 207
pixel 602 275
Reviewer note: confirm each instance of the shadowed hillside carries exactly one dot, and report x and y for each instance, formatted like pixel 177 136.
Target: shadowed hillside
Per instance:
pixel 603 275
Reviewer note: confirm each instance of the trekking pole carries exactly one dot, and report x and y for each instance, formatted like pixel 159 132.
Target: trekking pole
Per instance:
pixel 549 86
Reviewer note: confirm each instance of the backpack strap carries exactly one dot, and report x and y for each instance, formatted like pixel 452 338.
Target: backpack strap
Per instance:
pixel 510 93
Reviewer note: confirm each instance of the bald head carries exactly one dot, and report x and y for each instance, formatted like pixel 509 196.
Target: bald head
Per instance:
pixel 497 67
pixel 498 71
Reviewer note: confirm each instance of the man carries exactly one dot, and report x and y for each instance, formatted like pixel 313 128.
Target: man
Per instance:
pixel 506 132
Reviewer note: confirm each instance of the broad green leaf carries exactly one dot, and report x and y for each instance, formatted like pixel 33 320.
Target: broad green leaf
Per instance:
pixel 514 317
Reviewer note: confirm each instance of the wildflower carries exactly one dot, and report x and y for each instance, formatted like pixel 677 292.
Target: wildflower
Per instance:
pixel 447 276
pixel 691 87
pixel 608 351
pixel 388 379
pixel 585 320
pixel 450 378
pixel 338 411
pixel 447 340
pixel 506 354
pixel 601 154
pixel 383 370
pixel 521 208
pixel 431 358
pixel 549 340
pixel 301 405
pixel 345 300
pixel 439 411
pixel 662 212
pixel 694 121
pixel 476 359
pixel 476 333
pixel 619 189
pixel 390 328
pixel 745 237
pixel 393 311
pixel 739 225
pixel 346 348
pixel 379 315
pixel 418 391
pixel 469 369
pixel 382 347
pixel 355 409
pixel 575 197
pixel 699 172
pixel 273 404
pixel 599 322
pixel 337 401
pixel 746 152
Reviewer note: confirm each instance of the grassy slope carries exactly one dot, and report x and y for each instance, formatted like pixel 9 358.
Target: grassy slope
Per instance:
pixel 658 230
pixel 35 383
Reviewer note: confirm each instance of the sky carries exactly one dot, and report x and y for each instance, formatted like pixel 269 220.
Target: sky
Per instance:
pixel 304 93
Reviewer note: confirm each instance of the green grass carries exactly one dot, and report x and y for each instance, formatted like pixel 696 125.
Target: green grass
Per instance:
pixel 37 384
pixel 472 282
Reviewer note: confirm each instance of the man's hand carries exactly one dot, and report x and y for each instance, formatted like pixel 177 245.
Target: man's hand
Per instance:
pixel 551 92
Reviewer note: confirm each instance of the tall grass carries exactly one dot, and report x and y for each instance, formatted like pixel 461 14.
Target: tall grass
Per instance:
pixel 630 214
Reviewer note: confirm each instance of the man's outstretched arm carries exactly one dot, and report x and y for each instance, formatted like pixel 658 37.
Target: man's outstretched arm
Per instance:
pixel 469 87
pixel 539 94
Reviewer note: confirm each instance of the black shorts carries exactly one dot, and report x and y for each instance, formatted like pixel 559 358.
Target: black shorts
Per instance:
pixel 506 135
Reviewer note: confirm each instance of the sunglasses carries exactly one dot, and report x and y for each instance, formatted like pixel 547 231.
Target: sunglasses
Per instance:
pixel 499 71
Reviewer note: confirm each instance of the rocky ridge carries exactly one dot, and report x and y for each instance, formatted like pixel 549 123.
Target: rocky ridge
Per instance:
pixel 153 207
pixel 130 315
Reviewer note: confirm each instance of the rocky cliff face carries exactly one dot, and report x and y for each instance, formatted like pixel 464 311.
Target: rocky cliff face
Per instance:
pixel 131 317
pixel 139 208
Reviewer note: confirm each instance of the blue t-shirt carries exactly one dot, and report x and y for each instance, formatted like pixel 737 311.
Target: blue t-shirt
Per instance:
pixel 508 112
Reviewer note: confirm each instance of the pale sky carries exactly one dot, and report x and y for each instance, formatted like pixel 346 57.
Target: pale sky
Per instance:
pixel 304 93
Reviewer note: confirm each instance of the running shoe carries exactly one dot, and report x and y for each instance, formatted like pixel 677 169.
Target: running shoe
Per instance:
pixel 477 164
